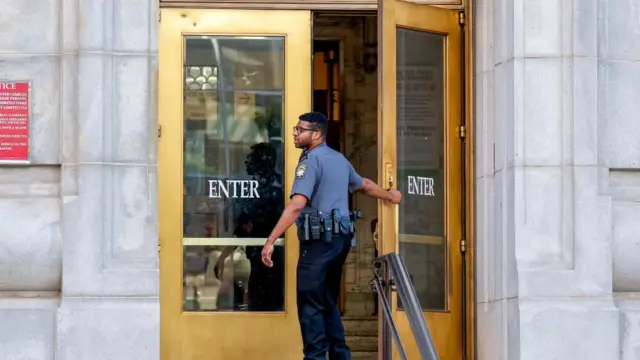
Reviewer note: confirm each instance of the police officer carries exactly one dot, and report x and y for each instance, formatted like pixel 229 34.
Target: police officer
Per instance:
pixel 319 206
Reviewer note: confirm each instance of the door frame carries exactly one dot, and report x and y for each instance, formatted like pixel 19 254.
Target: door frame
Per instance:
pixel 387 167
pixel 468 39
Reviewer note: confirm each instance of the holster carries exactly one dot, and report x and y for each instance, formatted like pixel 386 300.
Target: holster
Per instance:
pixel 304 227
pixel 327 227
pixel 315 227
pixel 353 218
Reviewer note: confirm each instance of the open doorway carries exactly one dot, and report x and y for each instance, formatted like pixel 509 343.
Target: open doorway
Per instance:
pixel 345 90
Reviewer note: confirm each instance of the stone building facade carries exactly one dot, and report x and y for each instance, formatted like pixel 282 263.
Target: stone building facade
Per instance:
pixel 558 160
pixel 79 256
pixel 557 189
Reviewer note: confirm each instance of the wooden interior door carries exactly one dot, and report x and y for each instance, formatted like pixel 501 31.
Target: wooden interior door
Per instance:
pixel 232 84
pixel 419 116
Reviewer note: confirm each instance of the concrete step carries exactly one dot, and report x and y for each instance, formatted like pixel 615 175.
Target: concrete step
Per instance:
pixel 363 343
pixel 364 355
pixel 360 327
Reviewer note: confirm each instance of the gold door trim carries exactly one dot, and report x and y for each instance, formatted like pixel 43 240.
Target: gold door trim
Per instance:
pixel 300 4
pixel 446 325
pixel 200 335
pixel 470 202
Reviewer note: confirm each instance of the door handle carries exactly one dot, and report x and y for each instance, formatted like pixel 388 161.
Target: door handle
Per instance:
pixel 389 173
pixel 376 233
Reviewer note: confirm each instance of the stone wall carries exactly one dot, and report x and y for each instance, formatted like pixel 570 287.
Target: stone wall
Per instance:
pixel 558 160
pixel 619 146
pixel 78 256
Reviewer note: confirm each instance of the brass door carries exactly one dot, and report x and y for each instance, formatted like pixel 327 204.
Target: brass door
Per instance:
pixel 420 147
pixel 231 86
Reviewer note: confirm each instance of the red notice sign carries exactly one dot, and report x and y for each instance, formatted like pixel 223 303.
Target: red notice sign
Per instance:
pixel 14 122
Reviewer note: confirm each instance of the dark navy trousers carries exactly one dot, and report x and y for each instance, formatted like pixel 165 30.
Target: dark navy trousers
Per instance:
pixel 318 287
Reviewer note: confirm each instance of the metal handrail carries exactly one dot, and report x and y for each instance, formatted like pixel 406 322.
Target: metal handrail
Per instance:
pixel 396 278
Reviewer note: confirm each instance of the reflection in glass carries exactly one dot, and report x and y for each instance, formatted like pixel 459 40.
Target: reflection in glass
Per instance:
pixel 421 163
pixel 233 161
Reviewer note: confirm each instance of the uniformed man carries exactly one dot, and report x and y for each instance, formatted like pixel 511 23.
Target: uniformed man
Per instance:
pixel 319 205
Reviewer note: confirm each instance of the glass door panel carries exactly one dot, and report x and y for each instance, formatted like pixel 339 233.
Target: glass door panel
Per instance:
pixel 230 83
pixel 421 148
pixel 421 163
pixel 233 167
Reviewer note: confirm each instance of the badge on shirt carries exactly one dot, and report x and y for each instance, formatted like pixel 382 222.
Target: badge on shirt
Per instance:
pixel 301 171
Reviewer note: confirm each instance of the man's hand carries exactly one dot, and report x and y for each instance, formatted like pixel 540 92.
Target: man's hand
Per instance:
pixel 396 196
pixel 267 250
pixel 288 217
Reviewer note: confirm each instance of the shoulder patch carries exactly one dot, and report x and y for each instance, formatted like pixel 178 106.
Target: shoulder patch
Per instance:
pixel 301 171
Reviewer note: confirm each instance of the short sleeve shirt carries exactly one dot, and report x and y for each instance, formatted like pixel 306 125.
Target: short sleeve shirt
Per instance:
pixel 325 177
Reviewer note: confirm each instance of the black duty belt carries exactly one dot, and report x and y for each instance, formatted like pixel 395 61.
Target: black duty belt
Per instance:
pixel 319 226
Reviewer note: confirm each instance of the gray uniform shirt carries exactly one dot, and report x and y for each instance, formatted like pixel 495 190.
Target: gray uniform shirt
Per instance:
pixel 325 177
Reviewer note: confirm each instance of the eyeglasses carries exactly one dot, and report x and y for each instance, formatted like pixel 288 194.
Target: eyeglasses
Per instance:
pixel 299 129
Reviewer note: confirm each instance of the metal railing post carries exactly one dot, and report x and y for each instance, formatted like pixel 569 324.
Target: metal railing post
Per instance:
pixel 395 273
pixel 384 290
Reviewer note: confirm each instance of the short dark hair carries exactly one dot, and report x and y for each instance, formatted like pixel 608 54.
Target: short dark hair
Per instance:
pixel 317 119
